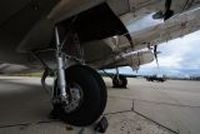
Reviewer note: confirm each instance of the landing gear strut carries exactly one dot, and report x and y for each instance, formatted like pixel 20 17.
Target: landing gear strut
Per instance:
pixel 79 93
pixel 60 69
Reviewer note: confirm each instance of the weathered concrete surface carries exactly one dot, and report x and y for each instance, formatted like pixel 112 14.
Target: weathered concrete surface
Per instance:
pixel 174 104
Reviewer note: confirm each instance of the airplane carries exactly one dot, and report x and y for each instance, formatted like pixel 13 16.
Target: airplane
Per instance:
pixel 71 39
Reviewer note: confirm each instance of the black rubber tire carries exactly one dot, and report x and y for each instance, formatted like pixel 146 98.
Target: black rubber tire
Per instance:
pixel 120 84
pixel 102 85
pixel 94 98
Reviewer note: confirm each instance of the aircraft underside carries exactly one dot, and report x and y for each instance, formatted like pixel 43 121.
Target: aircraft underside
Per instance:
pixel 63 37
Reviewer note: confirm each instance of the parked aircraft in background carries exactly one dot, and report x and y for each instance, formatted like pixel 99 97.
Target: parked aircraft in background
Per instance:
pixel 65 37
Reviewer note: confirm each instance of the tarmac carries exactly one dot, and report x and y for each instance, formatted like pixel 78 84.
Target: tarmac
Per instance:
pixel 143 108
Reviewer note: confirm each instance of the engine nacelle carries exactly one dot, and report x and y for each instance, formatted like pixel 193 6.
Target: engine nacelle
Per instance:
pixel 138 58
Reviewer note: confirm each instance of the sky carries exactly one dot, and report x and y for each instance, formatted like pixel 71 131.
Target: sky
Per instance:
pixel 179 57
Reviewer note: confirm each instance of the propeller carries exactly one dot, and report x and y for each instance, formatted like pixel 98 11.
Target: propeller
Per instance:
pixel 155 51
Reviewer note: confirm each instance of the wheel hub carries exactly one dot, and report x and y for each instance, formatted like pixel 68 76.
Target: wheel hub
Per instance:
pixel 75 98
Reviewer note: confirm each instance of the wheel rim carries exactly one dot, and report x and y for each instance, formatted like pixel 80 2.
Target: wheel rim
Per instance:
pixel 75 98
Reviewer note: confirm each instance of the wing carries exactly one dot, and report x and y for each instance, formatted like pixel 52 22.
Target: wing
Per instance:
pixel 161 31
pixel 177 26
pixel 27 27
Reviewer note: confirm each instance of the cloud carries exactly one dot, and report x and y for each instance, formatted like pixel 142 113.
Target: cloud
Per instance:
pixel 181 53
pixel 179 57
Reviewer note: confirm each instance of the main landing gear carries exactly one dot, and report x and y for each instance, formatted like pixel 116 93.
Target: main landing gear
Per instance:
pixel 79 94
pixel 119 81
pixel 86 96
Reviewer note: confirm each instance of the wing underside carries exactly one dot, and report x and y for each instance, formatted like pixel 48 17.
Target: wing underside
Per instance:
pixel 103 27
